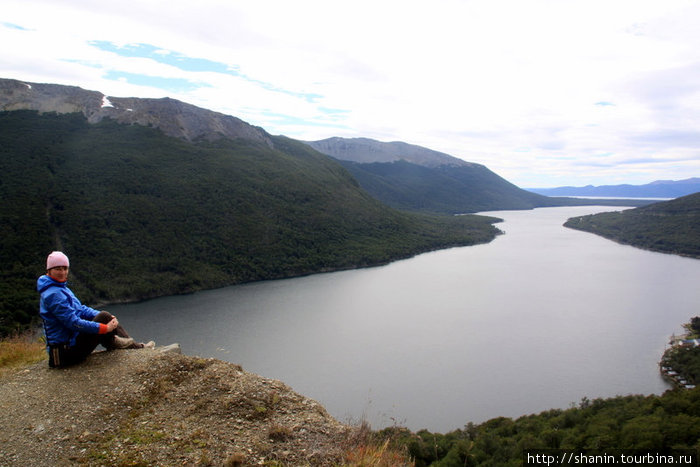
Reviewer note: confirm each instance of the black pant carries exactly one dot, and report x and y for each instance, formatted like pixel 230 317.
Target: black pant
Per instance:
pixel 61 355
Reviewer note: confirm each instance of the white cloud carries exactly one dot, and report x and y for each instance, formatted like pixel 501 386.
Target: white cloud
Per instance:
pixel 517 86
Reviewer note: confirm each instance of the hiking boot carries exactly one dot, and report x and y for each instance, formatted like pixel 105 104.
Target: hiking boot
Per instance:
pixel 141 345
pixel 122 342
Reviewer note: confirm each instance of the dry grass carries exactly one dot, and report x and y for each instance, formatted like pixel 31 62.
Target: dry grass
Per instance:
pixel 366 450
pixel 377 456
pixel 19 350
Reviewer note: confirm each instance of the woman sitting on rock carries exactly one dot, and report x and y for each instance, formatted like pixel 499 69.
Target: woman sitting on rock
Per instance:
pixel 72 329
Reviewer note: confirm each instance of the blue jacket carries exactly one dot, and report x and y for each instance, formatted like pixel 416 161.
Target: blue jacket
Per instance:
pixel 63 314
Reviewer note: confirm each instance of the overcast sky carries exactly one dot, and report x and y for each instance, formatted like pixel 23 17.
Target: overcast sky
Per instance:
pixel 544 93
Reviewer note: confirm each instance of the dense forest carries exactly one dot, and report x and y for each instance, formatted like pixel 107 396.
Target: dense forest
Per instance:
pixel 142 215
pixel 454 189
pixel 654 423
pixel 668 227
pixel 447 189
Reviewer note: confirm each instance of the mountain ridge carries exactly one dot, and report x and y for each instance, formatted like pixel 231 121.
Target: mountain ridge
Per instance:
pixel 413 178
pixel 655 189
pixel 366 150
pixel 174 118
pixel 435 181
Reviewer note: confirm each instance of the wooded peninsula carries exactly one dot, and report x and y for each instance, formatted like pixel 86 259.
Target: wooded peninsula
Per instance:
pixel 667 227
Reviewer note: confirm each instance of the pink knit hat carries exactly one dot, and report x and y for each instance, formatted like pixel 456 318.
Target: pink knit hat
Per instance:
pixel 56 259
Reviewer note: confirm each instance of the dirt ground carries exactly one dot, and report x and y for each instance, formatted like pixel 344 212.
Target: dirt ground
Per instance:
pixel 155 407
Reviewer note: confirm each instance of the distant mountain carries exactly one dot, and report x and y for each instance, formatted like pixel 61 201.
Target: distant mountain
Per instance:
pixel 365 150
pixel 668 227
pixel 657 189
pixel 414 178
pixel 167 198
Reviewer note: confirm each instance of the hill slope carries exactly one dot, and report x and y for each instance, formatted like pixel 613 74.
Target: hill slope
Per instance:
pixel 668 227
pixel 414 178
pixel 142 214
pixel 446 189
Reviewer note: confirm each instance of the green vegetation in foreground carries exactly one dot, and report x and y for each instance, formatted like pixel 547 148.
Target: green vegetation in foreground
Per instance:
pixel 668 227
pixel 650 423
pixel 143 215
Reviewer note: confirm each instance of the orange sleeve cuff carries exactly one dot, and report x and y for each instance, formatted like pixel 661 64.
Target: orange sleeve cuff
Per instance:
pixel 103 329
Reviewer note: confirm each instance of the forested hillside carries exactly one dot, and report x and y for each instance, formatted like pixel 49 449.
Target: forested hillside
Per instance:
pixel 414 178
pixel 142 214
pixel 668 227
pixel 653 423
pixel 446 189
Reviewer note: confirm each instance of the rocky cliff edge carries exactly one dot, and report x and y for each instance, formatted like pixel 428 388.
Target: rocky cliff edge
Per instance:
pixel 150 407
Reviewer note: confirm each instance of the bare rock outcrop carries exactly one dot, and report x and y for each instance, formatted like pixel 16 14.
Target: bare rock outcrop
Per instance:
pixel 172 117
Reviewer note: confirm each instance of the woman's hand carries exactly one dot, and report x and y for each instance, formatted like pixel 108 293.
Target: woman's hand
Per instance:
pixel 112 325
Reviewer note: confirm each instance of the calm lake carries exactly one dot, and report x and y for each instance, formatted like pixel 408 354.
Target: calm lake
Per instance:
pixel 537 319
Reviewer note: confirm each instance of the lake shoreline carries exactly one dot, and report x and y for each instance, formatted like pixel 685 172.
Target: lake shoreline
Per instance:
pixel 327 270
